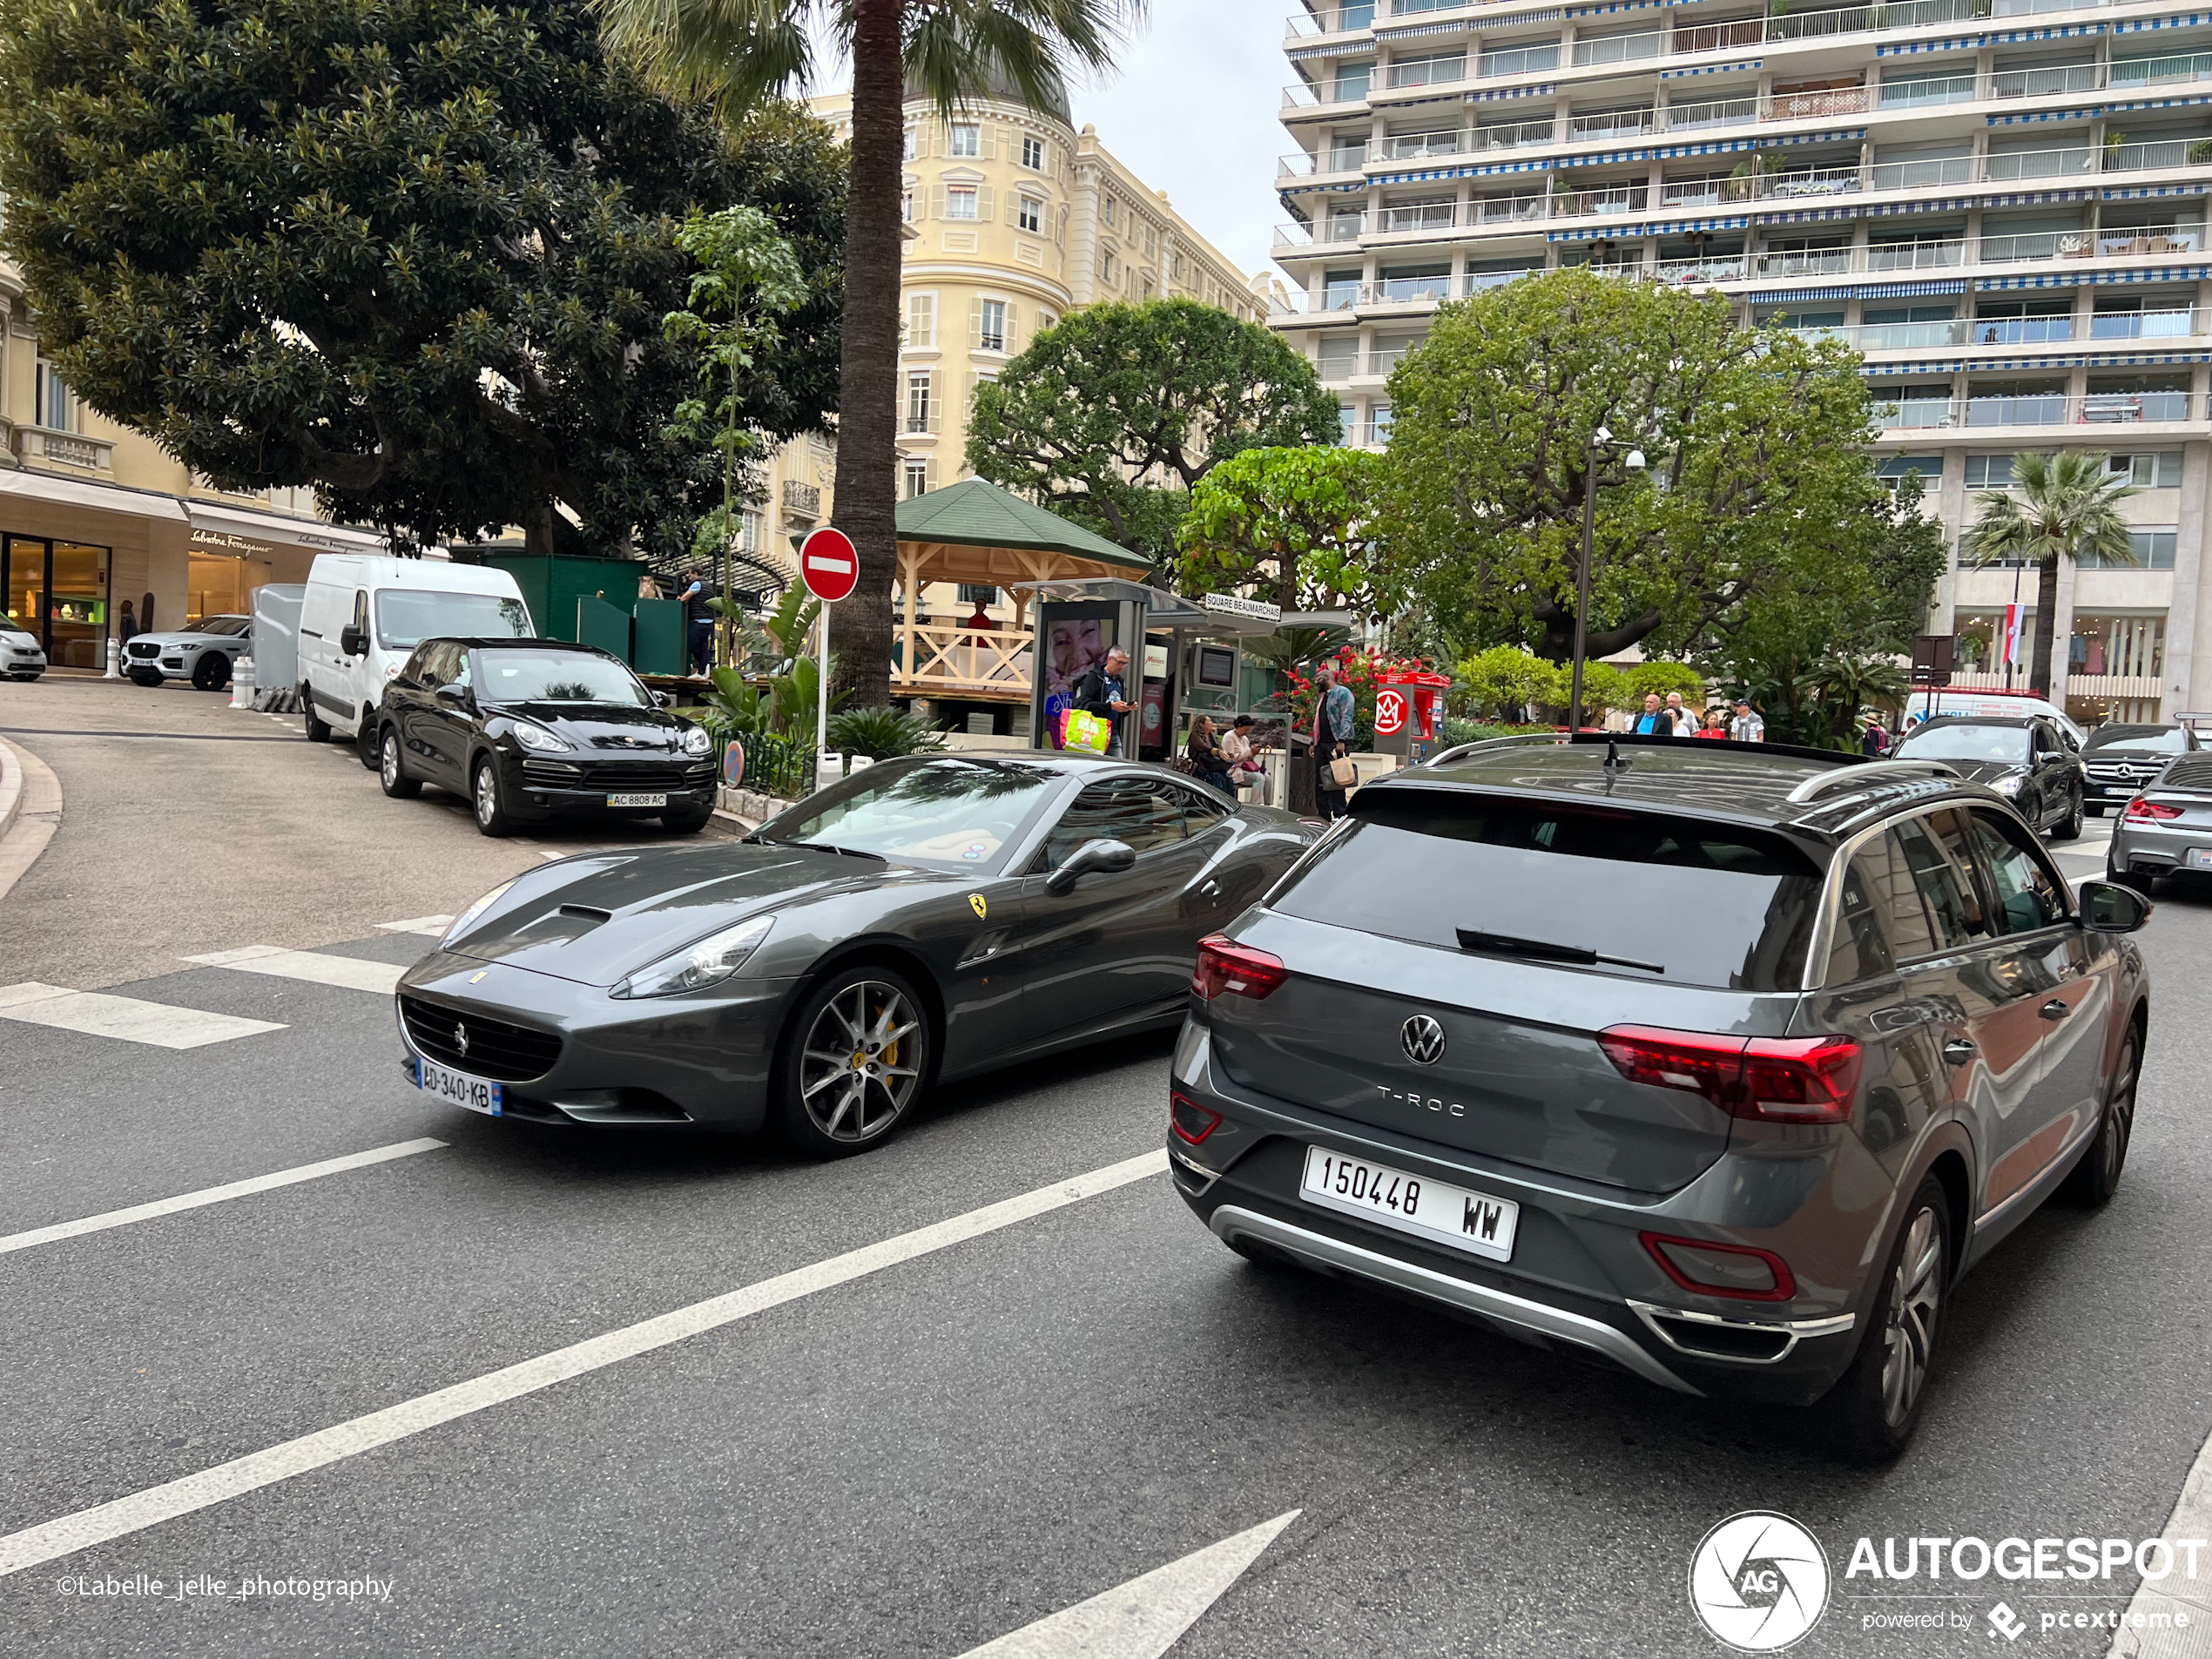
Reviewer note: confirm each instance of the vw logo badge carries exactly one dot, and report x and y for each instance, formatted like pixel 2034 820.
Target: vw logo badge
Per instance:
pixel 1422 1039
pixel 460 1037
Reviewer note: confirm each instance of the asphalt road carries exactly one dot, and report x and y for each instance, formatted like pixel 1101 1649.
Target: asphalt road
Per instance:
pixel 911 1456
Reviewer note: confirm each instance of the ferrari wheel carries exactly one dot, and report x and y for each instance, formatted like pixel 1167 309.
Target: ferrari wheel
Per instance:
pixel 858 1063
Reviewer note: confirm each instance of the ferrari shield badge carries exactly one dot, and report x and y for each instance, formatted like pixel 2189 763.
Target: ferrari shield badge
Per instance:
pixel 975 903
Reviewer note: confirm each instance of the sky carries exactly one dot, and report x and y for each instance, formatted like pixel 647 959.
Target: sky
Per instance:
pixel 1192 111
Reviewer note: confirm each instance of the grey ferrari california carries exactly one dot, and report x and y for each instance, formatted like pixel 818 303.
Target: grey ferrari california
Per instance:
pixel 921 921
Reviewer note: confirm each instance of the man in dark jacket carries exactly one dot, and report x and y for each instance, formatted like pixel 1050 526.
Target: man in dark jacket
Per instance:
pixel 1105 691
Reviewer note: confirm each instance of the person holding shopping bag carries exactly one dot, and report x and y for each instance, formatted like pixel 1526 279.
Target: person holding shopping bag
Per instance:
pixel 1334 772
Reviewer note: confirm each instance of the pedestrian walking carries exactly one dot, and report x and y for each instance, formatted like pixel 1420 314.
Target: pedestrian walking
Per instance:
pixel 126 625
pixel 1874 740
pixel 1207 762
pixel 698 620
pixel 1103 690
pixel 1746 726
pixel 1655 721
pixel 1332 719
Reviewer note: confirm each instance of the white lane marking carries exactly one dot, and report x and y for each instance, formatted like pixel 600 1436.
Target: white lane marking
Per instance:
pixel 2182 1605
pixel 126 1018
pixel 103 1523
pixel 348 973
pixel 1146 1617
pixel 205 1196
pixel 433 926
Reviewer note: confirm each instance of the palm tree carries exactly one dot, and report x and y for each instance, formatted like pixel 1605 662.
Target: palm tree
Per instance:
pixel 2063 506
pixel 738 51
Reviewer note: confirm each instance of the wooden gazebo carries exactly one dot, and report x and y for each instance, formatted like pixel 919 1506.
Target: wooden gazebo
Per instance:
pixel 975 532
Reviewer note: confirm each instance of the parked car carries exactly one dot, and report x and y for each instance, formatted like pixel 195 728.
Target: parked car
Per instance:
pixel 363 614
pixel 2167 829
pixel 1721 1063
pixel 2023 757
pixel 202 653
pixel 21 658
pixel 2119 759
pixel 922 920
pixel 529 729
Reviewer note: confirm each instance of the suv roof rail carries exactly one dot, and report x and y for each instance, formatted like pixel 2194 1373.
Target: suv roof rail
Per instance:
pixel 1872 771
pixel 1460 750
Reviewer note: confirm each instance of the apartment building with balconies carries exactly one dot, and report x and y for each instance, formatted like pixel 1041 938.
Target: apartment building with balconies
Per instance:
pixel 2000 202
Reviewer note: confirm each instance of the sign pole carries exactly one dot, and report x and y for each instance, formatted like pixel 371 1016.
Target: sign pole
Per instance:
pixel 822 679
pixel 830 566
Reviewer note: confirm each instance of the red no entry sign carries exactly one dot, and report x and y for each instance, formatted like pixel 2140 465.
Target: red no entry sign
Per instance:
pixel 829 565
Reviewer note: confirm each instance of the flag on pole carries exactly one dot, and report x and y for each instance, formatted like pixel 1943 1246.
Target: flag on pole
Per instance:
pixel 2013 634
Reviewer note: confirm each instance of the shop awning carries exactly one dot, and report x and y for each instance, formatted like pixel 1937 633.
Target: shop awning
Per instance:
pixel 237 529
pixel 27 485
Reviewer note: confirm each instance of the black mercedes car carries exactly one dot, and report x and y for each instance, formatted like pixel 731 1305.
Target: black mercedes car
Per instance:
pixel 921 921
pixel 529 729
pixel 2022 757
pixel 2119 759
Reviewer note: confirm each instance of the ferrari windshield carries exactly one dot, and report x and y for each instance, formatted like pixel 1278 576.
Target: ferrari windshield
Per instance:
pixel 956 813
pixel 2008 744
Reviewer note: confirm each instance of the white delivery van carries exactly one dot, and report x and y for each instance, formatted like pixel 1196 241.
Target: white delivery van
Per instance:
pixel 1926 703
pixel 363 614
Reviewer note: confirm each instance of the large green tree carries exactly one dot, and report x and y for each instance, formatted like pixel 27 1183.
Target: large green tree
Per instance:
pixel 741 51
pixel 1113 416
pixel 2065 506
pixel 1752 439
pixel 416 255
pixel 1296 525
pixel 1821 636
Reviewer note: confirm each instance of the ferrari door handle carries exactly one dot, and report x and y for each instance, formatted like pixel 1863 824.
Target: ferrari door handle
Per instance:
pixel 1958 1051
pixel 2056 1009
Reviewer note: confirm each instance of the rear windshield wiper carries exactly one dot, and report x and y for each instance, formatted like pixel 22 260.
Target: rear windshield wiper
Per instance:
pixel 1484 944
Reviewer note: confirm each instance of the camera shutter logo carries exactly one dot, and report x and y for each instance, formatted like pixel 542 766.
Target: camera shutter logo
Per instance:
pixel 1422 1040
pixel 1758 1581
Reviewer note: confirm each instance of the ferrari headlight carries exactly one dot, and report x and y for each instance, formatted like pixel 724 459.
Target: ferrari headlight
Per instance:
pixel 2006 785
pixel 537 739
pixel 695 742
pixel 696 967
pixel 461 922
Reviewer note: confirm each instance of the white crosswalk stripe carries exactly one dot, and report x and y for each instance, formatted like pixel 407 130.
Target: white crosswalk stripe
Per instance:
pixel 430 927
pixel 349 972
pixel 128 1019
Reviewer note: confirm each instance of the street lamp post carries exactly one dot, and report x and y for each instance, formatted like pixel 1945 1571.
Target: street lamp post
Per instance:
pixel 1600 439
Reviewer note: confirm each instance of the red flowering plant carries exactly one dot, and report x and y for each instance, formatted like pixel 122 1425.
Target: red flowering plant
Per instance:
pixel 1363 670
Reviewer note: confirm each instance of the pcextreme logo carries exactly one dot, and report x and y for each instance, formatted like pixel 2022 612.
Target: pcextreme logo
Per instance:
pixel 1758 1581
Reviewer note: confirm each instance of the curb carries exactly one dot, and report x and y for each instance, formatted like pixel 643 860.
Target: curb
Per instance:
pixel 30 811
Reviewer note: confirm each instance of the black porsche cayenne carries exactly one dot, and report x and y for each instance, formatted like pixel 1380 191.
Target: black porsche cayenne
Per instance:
pixel 540 728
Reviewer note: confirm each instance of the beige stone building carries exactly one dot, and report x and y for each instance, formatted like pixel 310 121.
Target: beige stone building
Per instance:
pixel 93 515
pixel 1015 218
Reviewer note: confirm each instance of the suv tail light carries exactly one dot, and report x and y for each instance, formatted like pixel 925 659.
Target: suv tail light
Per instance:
pixel 1191 1121
pixel 1238 969
pixel 1773 1080
pixel 1721 1270
pixel 2147 811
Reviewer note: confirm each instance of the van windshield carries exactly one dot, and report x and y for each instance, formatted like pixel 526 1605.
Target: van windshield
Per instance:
pixel 406 617
pixel 1649 896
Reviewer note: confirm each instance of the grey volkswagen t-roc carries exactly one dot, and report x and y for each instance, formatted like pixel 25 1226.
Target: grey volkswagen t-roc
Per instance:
pixel 1719 1061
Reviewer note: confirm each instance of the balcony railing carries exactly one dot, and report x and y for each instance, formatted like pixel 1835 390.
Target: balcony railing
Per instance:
pixel 1417 216
pixel 57 449
pixel 938 657
pixel 1611 124
pixel 2035 244
pixel 1824 106
pixel 1709 113
pixel 805 500
pixel 1915 255
pixel 1619 49
pixel 2011 331
pixel 2132 241
pixel 1922 91
pixel 1724 267
pixel 2053 81
pixel 1603 202
pixel 2038 409
pixel 1337 20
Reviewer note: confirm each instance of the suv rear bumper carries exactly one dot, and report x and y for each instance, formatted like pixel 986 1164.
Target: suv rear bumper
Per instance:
pixel 1579 1277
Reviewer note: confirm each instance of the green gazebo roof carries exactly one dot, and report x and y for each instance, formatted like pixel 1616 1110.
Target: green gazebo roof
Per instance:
pixel 977 513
